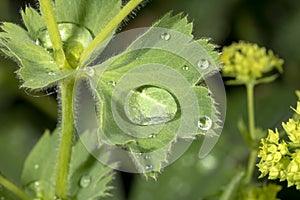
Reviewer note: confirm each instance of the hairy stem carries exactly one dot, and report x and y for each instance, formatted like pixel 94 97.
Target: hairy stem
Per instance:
pixel 67 136
pixel 112 25
pixel 48 13
pixel 13 188
pixel 251 122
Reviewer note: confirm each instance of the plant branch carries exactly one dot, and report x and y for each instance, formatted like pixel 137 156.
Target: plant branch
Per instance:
pixel 251 122
pixel 13 188
pixel 67 136
pixel 48 13
pixel 126 10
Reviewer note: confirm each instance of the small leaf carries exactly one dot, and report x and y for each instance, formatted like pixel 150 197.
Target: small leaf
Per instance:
pixel 37 67
pixel 33 21
pixel 231 189
pixel 89 178
pixel 38 173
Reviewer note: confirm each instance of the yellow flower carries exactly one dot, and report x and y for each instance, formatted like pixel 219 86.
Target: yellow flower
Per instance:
pixel 247 62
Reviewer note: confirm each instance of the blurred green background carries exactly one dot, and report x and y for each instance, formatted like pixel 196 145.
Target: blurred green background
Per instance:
pixel 24 115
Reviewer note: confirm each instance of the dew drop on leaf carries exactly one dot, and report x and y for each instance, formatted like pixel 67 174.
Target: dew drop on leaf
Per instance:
pixel 111 83
pixel 85 181
pixel 185 68
pixel 36 166
pixel 51 74
pixel 203 64
pixel 165 36
pixel 147 157
pixel 150 106
pixel 152 135
pixel 205 123
pixel 148 167
pixel 89 71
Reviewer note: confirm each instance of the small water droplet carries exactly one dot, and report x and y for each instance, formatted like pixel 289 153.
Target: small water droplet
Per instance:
pixel 203 64
pixel 37 42
pixel 85 181
pixel 205 123
pixel 111 83
pixel 36 166
pixel 148 167
pixel 51 74
pixel 147 157
pixel 152 135
pixel 165 36
pixel 89 71
pixel 185 68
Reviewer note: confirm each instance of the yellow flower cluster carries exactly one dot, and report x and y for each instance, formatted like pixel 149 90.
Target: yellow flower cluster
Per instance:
pixel 280 159
pixel 247 62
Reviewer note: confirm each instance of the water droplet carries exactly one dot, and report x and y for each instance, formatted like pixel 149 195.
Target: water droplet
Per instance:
pixel 89 71
pixel 153 135
pixel 148 167
pixel 51 74
pixel 165 36
pixel 203 64
pixel 205 123
pixel 150 106
pixel 37 42
pixel 85 181
pixel 57 198
pixel 147 157
pixel 185 68
pixel 111 83
pixel 36 166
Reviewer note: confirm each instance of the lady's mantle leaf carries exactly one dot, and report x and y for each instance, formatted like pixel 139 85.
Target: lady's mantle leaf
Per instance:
pixel 88 178
pixel 37 67
pixel 151 63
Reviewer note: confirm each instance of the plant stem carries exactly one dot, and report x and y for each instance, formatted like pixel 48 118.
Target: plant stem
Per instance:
pixel 67 136
pixel 251 122
pixel 112 25
pixel 13 188
pixel 48 13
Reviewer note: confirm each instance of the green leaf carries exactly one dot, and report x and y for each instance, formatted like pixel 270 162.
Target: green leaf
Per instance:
pixel 33 21
pixel 92 14
pixel 167 60
pixel 89 178
pixel 231 189
pixel 39 170
pixel 37 67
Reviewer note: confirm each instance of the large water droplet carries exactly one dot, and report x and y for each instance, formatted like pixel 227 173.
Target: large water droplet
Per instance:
pixel 85 181
pixel 203 64
pixel 165 36
pixel 205 123
pixel 89 71
pixel 150 106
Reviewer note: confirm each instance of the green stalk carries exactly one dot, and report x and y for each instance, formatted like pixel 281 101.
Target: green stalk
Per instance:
pixel 251 125
pixel 108 29
pixel 67 136
pixel 14 189
pixel 48 13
